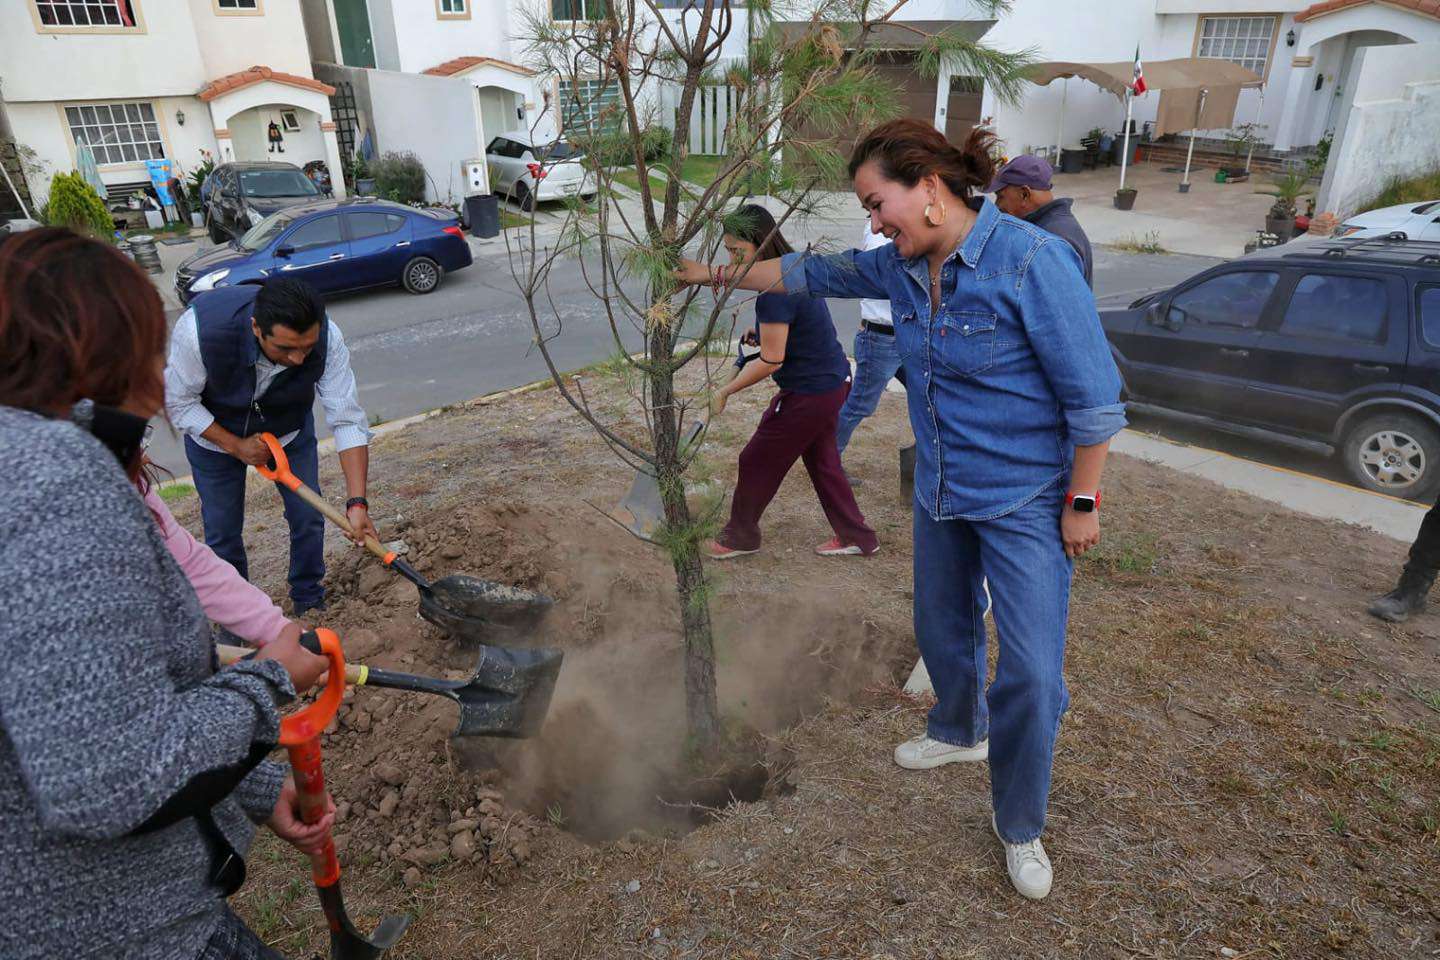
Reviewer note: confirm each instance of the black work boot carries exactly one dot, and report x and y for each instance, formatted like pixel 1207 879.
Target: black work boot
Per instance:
pixel 1407 598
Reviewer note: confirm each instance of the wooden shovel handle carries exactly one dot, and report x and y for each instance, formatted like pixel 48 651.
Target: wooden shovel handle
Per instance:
pixel 355 673
pixel 282 475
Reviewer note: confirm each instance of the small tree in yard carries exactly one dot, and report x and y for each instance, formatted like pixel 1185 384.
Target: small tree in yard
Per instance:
pixel 807 87
pixel 74 203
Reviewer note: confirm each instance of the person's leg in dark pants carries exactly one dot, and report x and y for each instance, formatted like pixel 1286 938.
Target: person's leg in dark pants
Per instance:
pixel 1418 577
pixel 783 434
pixel 822 461
pixel 220 482
pixel 233 940
pixel 307 526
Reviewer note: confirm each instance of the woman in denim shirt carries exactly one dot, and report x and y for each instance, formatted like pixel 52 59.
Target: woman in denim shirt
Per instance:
pixel 1013 398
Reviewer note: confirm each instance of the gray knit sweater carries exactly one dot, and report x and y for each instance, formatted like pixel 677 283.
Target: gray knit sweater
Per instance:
pixel 109 706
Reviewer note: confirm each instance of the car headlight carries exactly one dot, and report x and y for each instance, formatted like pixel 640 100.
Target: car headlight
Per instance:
pixel 255 215
pixel 1345 229
pixel 209 280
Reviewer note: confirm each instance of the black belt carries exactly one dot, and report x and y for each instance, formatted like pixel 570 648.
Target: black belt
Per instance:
pixel 884 328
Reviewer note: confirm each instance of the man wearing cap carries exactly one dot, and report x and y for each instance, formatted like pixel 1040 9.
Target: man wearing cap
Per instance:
pixel 1022 189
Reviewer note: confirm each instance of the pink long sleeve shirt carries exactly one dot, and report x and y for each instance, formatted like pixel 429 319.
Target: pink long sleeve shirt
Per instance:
pixel 226 597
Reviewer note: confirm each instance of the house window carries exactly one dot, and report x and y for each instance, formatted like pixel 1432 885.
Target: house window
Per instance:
pixel 583 103
pixel 86 13
pixel 577 9
pixel 1242 40
pixel 117 132
pixel 452 8
pixel 241 7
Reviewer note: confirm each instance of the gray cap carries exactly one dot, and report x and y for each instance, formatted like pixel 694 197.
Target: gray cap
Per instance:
pixel 1024 171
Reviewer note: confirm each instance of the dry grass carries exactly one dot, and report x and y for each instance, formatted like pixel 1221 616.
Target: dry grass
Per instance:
pixel 1249 764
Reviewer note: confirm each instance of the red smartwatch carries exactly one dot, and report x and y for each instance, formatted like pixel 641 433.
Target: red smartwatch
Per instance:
pixel 1083 502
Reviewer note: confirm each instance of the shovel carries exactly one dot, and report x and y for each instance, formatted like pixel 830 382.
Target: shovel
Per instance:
pixel 642 511
pixel 464 606
pixel 507 696
pixel 300 736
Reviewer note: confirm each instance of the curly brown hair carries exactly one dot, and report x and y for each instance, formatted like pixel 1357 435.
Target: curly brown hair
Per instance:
pixel 909 149
pixel 78 319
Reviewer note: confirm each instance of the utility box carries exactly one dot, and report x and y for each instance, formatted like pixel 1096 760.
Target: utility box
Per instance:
pixel 477 177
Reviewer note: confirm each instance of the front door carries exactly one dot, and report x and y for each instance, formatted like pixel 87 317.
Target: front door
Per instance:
pixel 352 21
pixel 1341 335
pixel 317 253
pixel 1194 350
pixel 962 111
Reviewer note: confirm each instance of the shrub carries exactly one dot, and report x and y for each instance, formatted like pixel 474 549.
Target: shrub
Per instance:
pixel 74 203
pixel 198 173
pixel 614 149
pixel 399 177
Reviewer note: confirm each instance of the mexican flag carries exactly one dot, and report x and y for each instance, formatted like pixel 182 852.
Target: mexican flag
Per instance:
pixel 1137 86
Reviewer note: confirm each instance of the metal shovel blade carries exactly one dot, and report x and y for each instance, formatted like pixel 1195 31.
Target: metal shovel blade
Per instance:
pixel 488 600
pixel 641 511
pixel 507 696
pixel 348 943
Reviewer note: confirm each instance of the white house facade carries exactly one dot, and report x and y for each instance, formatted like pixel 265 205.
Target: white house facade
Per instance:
pixel 138 80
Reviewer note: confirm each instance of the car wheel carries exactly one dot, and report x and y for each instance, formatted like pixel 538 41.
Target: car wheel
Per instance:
pixel 1394 453
pixel 523 198
pixel 216 234
pixel 421 275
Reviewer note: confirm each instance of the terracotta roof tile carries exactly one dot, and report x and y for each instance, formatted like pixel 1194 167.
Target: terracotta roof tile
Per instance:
pixel 1429 8
pixel 259 74
pixel 461 64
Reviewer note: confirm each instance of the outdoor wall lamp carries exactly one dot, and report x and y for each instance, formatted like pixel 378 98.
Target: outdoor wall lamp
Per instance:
pixel 1290 38
pixel 180 117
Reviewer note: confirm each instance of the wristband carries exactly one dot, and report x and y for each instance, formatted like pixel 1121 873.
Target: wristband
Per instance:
pixel 1089 502
pixel 357 502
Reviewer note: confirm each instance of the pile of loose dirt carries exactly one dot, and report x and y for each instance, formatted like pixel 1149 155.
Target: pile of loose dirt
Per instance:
pixel 612 757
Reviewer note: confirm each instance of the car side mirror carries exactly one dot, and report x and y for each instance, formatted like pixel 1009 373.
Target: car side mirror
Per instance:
pixel 284 250
pixel 1175 318
pixel 1155 313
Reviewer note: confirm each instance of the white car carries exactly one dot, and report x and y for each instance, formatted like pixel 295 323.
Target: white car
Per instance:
pixel 1418 221
pixel 526 171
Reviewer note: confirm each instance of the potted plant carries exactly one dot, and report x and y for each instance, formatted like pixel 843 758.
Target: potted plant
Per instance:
pixel 1286 189
pixel 360 174
pixel 1125 198
pixel 1241 140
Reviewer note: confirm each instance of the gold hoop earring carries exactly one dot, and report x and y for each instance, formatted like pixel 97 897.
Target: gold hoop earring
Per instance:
pixel 933 223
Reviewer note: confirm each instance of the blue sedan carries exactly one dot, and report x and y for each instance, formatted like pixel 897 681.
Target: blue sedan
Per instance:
pixel 336 245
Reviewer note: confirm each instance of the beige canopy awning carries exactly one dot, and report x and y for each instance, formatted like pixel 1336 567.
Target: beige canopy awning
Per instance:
pixel 1179 82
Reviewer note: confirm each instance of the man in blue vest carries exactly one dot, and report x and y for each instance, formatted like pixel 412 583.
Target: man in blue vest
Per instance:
pixel 252 359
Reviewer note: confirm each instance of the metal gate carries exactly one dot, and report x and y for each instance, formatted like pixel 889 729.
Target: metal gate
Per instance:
pixel 343 112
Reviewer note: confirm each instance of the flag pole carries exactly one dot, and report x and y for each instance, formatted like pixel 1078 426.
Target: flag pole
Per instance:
pixel 1125 157
pixel 1190 153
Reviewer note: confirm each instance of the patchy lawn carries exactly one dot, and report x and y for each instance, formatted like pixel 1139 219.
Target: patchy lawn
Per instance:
pixel 1250 763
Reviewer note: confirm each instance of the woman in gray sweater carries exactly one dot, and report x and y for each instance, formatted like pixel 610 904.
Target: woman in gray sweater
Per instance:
pixel 132 774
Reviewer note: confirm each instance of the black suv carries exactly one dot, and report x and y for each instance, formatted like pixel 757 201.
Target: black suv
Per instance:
pixel 239 195
pixel 1333 345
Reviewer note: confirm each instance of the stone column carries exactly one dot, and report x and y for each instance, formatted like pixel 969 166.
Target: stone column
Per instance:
pixel 332 158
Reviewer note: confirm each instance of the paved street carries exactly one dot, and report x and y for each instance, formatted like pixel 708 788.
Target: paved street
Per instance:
pixel 473 336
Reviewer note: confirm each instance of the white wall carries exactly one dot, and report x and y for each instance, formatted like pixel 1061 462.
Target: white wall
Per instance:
pixel 229 44
pixel 436 118
pixel 249 132
pixel 384 33
pixel 425 41
pixel 163 60
pixel 1390 131
pixel 1076 32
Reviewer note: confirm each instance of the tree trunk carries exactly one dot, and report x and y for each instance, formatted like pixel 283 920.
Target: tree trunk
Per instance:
pixel 701 710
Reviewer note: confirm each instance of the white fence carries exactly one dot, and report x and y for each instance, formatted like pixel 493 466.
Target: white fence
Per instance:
pixel 710 115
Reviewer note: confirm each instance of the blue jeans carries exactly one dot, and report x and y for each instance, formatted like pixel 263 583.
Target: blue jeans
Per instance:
pixel 1029 574
pixel 876 361
pixel 220 481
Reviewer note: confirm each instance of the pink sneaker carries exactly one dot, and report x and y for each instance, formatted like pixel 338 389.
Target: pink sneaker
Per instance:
pixel 715 550
pixel 835 548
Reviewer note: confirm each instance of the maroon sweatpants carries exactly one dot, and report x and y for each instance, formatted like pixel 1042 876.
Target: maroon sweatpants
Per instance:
pixel 795 425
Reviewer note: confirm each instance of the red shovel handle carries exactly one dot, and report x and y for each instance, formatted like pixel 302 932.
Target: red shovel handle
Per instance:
pixel 300 735
pixel 280 473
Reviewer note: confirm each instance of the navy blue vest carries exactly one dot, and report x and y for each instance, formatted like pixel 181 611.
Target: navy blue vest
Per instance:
pixel 229 349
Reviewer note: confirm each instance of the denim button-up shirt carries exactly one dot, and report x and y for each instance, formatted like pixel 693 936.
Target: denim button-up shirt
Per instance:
pixel 1005 379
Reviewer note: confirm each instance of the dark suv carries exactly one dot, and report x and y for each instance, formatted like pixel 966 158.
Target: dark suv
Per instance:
pixel 1333 345
pixel 240 195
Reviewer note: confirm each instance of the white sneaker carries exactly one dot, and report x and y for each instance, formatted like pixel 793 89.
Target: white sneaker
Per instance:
pixel 1030 869
pixel 923 753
